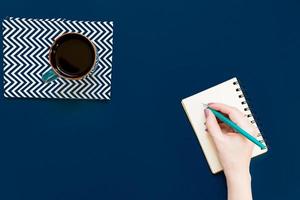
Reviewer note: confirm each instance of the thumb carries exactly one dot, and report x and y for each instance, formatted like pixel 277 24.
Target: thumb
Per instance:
pixel 212 124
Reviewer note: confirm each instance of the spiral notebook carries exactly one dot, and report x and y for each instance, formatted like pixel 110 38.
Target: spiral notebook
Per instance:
pixel 228 92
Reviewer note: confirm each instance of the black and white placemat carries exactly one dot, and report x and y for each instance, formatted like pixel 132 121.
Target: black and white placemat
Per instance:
pixel 26 45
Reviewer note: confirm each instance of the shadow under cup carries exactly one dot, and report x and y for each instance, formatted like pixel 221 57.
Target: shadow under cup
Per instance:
pixel 72 56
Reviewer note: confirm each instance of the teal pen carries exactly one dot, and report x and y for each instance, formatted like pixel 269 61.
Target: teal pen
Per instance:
pixel 236 127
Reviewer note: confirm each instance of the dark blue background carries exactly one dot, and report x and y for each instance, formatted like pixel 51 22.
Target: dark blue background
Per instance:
pixel 140 144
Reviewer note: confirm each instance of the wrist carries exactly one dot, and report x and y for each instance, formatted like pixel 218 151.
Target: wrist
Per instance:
pixel 233 177
pixel 239 186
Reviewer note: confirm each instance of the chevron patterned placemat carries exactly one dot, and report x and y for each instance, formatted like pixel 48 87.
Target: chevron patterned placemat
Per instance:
pixel 26 44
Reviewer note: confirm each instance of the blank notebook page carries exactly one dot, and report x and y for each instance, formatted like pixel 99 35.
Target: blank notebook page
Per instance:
pixel 228 92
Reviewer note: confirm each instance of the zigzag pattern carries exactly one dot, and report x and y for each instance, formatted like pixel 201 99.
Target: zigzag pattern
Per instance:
pixel 26 44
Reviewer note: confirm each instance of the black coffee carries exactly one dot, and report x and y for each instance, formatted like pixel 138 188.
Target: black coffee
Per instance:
pixel 72 55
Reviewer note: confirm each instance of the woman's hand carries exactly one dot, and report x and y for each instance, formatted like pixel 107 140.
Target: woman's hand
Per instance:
pixel 233 149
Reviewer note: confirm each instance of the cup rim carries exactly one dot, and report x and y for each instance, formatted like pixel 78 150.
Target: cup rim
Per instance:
pixel 54 68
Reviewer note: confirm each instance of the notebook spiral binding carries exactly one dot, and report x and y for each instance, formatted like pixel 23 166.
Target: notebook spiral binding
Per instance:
pixel 249 115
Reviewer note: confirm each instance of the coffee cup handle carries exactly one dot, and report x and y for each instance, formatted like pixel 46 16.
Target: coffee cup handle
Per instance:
pixel 49 75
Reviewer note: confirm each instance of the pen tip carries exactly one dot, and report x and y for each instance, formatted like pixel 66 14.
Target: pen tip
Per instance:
pixel 205 105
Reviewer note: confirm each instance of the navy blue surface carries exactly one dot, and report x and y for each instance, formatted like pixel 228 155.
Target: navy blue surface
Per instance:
pixel 140 144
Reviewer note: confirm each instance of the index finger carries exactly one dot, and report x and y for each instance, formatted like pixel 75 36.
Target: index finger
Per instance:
pixel 233 113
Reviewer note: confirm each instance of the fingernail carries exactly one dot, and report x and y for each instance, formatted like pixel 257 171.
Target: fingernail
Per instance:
pixel 206 112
